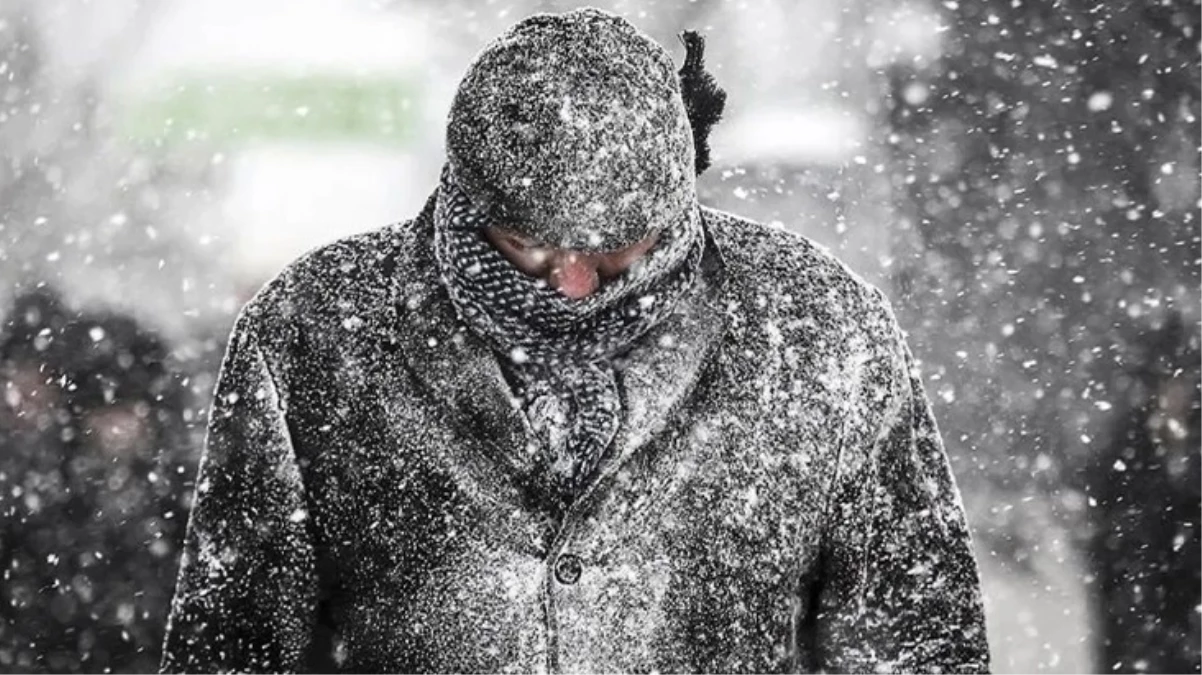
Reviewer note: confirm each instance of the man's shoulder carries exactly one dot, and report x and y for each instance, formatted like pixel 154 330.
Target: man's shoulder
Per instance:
pixel 797 316
pixel 771 270
pixel 349 277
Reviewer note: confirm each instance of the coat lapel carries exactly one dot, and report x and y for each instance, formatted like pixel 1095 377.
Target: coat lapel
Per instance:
pixel 457 368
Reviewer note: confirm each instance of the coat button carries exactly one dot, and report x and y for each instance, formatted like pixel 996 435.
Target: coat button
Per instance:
pixel 567 569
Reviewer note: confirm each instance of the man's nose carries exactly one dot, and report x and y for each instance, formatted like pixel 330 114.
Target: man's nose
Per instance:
pixel 573 274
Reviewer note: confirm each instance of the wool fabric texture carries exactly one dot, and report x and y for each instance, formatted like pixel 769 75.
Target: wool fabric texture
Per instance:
pixel 559 350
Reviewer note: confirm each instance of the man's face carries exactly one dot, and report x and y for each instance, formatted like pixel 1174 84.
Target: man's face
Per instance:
pixel 575 274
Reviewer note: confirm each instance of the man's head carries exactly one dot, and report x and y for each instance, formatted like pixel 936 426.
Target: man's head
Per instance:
pixel 571 132
pixel 122 389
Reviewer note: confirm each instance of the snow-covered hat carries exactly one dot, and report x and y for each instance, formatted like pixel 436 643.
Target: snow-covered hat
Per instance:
pixel 571 129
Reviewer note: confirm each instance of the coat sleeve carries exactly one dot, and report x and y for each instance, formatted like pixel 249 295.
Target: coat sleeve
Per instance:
pixel 246 593
pixel 901 591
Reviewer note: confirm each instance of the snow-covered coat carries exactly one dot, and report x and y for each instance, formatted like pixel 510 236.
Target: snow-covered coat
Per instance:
pixel 777 498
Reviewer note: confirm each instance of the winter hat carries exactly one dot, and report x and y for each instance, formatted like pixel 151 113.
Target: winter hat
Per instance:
pixel 571 129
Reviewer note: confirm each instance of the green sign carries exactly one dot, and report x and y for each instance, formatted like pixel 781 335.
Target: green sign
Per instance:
pixel 223 109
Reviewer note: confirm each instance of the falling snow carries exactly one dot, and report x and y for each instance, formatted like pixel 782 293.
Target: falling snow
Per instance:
pixel 381 490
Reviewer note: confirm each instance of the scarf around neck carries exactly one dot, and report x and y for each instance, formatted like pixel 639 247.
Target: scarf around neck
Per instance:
pixel 559 351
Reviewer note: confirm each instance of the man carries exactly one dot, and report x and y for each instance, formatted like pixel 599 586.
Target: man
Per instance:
pixel 567 419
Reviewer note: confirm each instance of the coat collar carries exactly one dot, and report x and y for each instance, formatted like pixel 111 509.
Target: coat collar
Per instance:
pixel 459 370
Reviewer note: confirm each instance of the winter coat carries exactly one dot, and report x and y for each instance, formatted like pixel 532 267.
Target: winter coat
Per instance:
pixel 776 500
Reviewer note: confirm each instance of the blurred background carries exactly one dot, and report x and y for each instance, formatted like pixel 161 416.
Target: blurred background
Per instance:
pixel 1021 178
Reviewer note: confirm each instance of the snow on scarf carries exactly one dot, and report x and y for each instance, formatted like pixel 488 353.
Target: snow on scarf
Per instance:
pixel 560 351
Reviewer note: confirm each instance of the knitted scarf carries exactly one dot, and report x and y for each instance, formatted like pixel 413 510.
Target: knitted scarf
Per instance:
pixel 559 351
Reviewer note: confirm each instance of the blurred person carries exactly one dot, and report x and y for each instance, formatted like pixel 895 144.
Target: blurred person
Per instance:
pixel 567 419
pixel 31 363
pixel 34 421
pixel 1146 548
pixel 92 505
